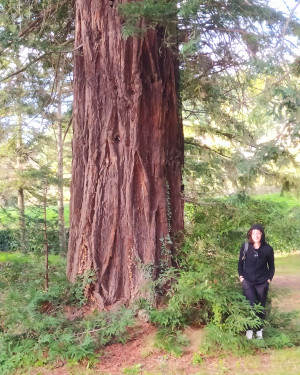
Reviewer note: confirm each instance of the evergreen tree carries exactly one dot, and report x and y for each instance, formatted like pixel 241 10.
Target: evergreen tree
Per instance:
pixel 127 206
pixel 34 37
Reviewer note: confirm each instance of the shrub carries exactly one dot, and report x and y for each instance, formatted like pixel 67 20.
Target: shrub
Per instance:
pixel 9 240
pixel 207 291
pixel 35 328
pixel 224 222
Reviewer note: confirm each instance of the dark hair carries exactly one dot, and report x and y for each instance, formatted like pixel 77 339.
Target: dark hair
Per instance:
pixel 258 227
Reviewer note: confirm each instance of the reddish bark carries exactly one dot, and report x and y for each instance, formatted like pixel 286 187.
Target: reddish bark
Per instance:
pixel 127 155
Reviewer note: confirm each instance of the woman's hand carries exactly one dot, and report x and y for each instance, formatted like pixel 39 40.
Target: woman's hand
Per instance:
pixel 269 281
pixel 241 279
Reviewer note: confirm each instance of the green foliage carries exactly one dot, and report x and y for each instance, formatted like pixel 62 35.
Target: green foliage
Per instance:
pixel 197 359
pixel 206 290
pixel 133 370
pixel 8 240
pixel 157 13
pixel 225 222
pixel 173 341
pixel 10 237
pixel 39 327
pixel 280 331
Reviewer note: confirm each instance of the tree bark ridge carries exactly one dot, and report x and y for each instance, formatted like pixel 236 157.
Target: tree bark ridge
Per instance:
pixel 128 154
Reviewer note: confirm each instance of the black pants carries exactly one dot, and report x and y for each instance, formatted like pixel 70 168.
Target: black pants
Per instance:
pixel 256 293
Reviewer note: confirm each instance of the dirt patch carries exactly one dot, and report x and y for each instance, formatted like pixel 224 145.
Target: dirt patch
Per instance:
pixel 287 295
pixel 286 282
pixel 142 352
pixel 118 356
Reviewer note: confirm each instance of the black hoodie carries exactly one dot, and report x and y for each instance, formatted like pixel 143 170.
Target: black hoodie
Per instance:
pixel 259 264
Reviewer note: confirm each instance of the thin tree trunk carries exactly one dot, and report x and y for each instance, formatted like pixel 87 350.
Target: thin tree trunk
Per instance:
pixel 126 207
pixel 46 247
pixel 21 200
pixel 60 175
pixel 22 221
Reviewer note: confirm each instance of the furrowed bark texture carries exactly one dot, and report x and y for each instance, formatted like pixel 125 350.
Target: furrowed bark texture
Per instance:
pixel 127 156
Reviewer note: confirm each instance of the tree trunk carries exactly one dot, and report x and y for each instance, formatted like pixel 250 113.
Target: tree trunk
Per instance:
pixel 46 247
pixel 126 207
pixel 21 199
pixel 22 221
pixel 60 177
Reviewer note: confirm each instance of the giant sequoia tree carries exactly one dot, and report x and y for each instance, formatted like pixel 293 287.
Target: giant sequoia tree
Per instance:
pixel 126 204
pixel 126 208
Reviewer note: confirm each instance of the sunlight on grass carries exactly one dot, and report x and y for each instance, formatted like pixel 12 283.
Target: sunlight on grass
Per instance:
pixel 14 257
pixel 22 258
pixel 9 215
pixel 287 265
pixel 288 200
pixel 286 361
pixel 275 362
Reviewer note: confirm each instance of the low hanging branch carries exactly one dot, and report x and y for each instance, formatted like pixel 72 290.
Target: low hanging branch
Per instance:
pixel 40 19
pixel 204 203
pixel 200 146
pixel 288 20
pixel 68 127
pixel 25 67
pixel 36 60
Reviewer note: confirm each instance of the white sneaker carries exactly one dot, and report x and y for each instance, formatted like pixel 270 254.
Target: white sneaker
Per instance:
pixel 249 334
pixel 259 334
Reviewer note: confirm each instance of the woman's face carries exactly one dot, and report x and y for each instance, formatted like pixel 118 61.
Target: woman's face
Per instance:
pixel 256 236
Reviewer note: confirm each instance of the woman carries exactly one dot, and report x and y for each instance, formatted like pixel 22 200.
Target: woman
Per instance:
pixel 256 270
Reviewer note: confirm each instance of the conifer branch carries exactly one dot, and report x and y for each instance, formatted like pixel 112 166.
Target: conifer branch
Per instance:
pixel 200 146
pixel 35 61
pixel 40 19
pixel 288 20
pixel 25 67
pixel 68 127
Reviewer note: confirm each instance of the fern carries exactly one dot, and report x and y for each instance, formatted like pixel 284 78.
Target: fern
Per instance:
pixel 34 325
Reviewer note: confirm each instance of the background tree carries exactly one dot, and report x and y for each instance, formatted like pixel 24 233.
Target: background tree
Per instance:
pixel 59 119
pixel 237 145
pixel 18 109
pixel 33 36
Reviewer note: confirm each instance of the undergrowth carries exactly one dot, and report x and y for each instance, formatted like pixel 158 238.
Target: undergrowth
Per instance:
pixel 39 327
pixel 207 292
pixel 224 222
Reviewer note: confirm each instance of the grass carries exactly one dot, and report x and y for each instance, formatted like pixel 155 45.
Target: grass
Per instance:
pixel 288 200
pixel 289 265
pixel 18 257
pixel 279 362
pixel 9 215
pixel 286 283
pixel 286 361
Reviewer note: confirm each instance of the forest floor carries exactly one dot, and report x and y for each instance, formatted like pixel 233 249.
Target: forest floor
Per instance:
pixel 140 356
